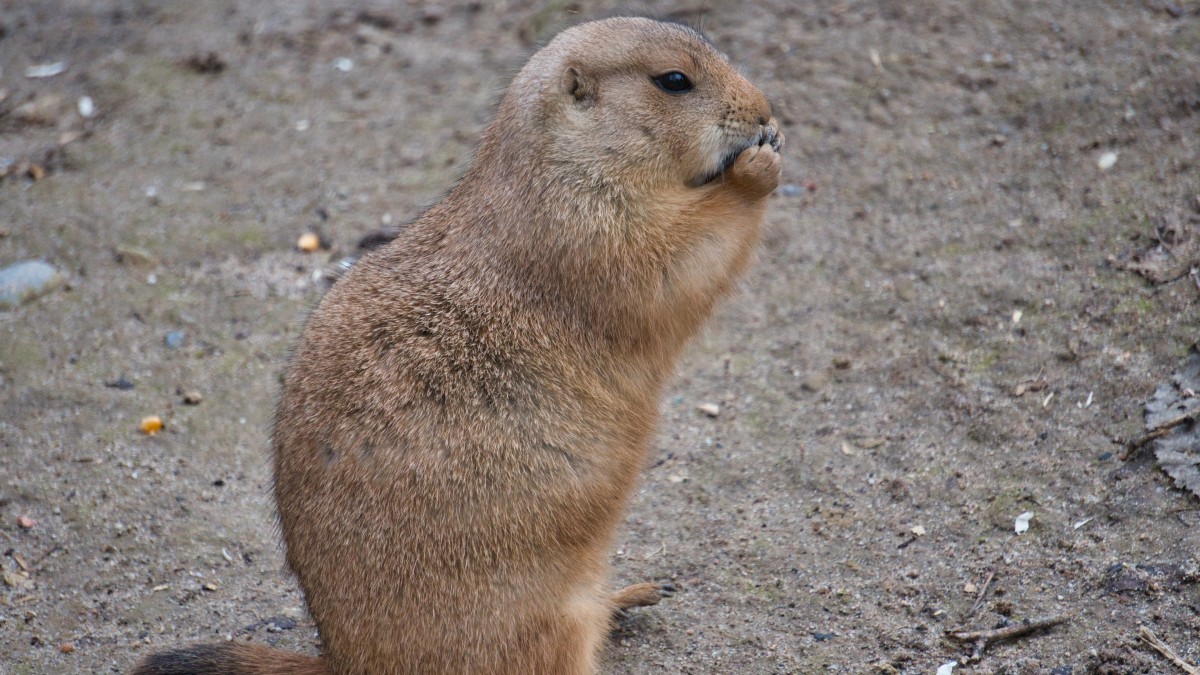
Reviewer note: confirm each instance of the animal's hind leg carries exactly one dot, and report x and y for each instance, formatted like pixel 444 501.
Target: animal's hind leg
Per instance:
pixel 640 595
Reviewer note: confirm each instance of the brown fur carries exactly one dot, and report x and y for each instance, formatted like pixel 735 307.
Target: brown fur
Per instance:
pixel 468 408
pixel 227 658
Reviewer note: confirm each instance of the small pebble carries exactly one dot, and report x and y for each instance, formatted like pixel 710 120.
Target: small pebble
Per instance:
pixel 815 382
pixel 433 14
pixel 44 109
pixel 278 623
pixel 1107 161
pixel 66 648
pixel 193 398
pixel 26 523
pixel 136 257
pixel 175 339
pixel 308 242
pixel 343 64
pixel 151 425
pixel 87 107
pixel 710 409
pixel 45 70
pixel 790 190
pixel 292 612
pixel 24 281
pixel 120 383
pixel 206 64
pixel 1021 524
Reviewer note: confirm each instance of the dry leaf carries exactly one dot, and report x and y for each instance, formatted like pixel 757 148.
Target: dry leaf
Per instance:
pixel 16 579
pixel 1184 467
pixel 1173 406
pixel 1175 250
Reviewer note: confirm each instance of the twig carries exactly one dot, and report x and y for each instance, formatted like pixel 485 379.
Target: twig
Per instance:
pixel 983 638
pixel 1182 275
pixel 660 549
pixel 1163 429
pixel 1163 648
pixel 38 561
pixel 982 593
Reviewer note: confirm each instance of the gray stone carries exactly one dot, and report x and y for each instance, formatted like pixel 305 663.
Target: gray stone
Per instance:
pixel 24 281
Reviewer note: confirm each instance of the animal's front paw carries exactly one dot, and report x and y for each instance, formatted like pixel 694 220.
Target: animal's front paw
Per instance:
pixel 772 135
pixel 757 170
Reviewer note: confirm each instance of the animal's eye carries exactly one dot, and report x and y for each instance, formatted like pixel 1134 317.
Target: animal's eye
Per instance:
pixel 673 82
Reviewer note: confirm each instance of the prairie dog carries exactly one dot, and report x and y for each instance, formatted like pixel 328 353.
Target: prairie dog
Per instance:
pixel 468 408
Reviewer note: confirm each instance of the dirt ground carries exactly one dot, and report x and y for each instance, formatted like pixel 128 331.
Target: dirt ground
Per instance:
pixel 938 335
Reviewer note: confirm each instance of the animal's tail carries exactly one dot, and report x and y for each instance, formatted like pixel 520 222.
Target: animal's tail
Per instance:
pixel 229 659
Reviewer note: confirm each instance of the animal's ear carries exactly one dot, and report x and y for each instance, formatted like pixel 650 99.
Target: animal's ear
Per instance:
pixel 579 86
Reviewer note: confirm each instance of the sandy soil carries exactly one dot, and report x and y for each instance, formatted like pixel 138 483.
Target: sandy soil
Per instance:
pixel 935 339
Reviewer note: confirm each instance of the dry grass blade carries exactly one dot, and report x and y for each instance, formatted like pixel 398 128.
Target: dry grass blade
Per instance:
pixel 987 583
pixel 1163 648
